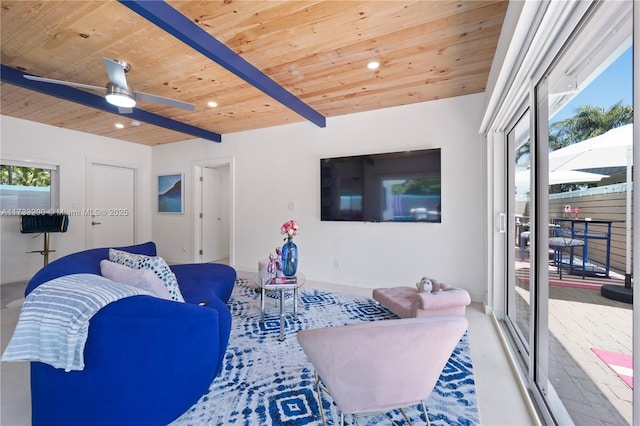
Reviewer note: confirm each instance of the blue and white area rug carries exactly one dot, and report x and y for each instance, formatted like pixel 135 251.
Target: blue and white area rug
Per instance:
pixel 268 382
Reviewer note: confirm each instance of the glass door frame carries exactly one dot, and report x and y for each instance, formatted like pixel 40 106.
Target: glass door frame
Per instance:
pixel 542 389
pixel 510 303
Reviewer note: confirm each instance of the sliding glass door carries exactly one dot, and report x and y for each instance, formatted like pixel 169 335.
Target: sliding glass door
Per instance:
pixel 568 195
pixel 584 119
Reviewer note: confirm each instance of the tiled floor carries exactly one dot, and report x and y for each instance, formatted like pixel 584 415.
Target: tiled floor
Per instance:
pixel 15 409
pixel 580 319
pixel 500 400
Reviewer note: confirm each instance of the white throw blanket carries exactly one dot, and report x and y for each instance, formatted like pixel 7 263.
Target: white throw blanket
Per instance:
pixel 54 322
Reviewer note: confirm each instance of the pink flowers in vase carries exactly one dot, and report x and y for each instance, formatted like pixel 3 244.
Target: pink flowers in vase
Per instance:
pixel 276 266
pixel 289 249
pixel 289 229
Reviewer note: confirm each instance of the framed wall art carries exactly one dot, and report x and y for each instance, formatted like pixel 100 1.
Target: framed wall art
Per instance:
pixel 171 194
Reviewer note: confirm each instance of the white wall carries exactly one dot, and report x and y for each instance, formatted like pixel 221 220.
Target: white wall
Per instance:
pixel 275 168
pixel 271 170
pixel 26 140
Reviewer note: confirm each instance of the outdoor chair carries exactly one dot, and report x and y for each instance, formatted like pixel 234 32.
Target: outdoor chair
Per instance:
pixel 375 367
pixel 563 239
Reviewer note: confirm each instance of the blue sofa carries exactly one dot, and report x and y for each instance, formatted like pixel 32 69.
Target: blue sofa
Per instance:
pixel 147 360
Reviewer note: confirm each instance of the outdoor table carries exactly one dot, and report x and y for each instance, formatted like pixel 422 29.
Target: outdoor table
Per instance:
pixel 579 229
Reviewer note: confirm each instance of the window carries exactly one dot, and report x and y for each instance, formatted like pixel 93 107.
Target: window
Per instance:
pixel 27 188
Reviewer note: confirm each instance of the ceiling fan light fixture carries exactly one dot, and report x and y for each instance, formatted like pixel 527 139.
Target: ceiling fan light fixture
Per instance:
pixel 120 97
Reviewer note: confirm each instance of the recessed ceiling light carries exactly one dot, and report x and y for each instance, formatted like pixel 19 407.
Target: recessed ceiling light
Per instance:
pixel 212 104
pixel 119 126
pixel 135 123
pixel 373 65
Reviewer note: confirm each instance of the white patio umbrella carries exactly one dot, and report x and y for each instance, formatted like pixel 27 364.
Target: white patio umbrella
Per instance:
pixel 561 176
pixel 611 149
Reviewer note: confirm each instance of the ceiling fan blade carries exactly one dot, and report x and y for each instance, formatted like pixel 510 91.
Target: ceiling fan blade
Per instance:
pixel 116 73
pixel 64 83
pixel 164 101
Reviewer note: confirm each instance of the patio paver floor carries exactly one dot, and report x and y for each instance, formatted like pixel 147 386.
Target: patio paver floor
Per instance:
pixel 581 319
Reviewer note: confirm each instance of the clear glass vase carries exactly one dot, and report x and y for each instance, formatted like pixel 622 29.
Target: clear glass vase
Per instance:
pixel 289 258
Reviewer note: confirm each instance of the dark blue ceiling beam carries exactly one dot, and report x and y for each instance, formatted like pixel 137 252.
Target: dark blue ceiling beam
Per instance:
pixel 15 77
pixel 181 27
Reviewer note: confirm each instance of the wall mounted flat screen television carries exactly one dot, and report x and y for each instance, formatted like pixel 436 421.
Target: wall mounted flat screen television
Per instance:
pixel 389 187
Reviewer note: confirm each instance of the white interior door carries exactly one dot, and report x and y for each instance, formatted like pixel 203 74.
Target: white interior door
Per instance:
pixel 110 206
pixel 214 234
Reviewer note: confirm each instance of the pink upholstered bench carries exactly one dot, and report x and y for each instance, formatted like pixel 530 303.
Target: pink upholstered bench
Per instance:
pixel 408 302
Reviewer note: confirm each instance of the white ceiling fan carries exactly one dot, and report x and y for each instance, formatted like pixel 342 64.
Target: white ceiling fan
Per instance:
pixel 117 92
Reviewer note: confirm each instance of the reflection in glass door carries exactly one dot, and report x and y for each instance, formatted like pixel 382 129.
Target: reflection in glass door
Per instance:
pixel 519 233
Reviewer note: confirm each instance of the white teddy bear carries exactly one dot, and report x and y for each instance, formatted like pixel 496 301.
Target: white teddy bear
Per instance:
pixel 429 285
pixel 425 285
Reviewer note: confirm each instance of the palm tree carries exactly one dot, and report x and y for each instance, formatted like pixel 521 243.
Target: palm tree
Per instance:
pixel 24 176
pixel 588 122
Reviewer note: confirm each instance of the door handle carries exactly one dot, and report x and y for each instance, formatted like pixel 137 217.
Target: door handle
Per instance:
pixel 502 223
pixel 96 223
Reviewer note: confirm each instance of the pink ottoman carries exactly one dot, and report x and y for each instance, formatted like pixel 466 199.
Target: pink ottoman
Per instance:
pixel 408 302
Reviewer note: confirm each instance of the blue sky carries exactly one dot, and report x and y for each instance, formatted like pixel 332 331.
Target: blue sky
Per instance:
pixel 612 86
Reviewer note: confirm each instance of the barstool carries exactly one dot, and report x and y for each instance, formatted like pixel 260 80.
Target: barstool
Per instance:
pixel 559 244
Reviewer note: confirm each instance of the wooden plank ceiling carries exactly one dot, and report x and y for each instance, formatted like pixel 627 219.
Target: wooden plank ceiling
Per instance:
pixel 316 50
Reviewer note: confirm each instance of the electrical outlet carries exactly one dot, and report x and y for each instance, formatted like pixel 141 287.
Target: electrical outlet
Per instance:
pixel 336 263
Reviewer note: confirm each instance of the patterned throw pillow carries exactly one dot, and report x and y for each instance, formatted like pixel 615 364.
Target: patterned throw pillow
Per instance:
pixel 144 279
pixel 154 263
